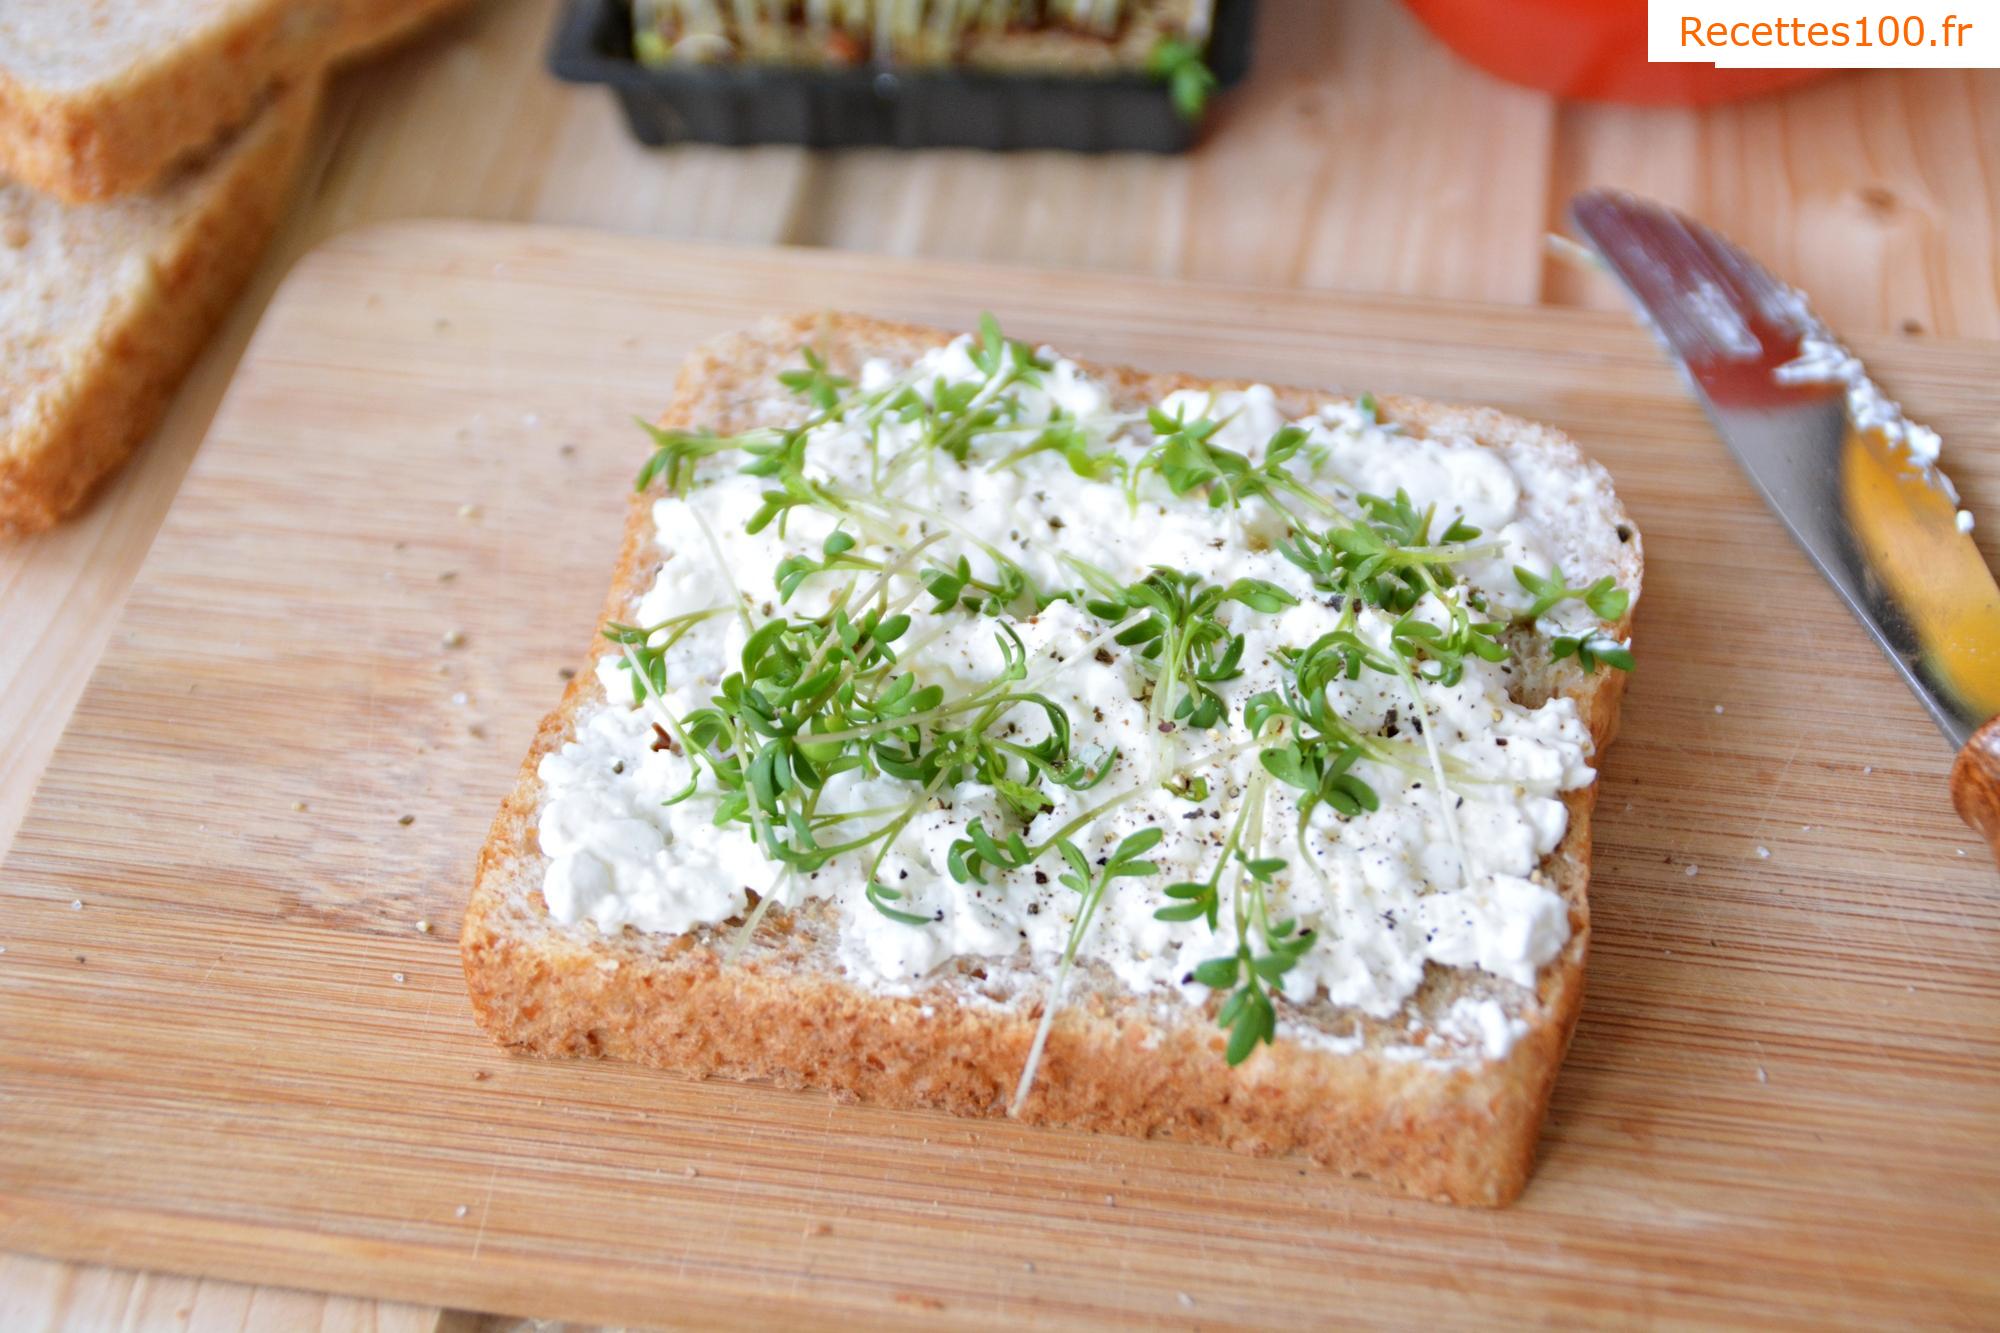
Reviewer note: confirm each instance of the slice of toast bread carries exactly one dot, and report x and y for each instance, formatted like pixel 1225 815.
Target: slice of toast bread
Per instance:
pixel 1414 1105
pixel 104 306
pixel 101 99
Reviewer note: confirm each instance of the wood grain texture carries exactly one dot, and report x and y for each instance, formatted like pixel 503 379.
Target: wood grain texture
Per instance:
pixel 1359 157
pixel 409 134
pixel 1781 1103
pixel 1877 192
pixel 43 1296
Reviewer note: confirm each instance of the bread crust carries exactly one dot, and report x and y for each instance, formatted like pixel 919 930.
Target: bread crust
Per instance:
pixel 121 135
pixel 83 424
pixel 1457 1130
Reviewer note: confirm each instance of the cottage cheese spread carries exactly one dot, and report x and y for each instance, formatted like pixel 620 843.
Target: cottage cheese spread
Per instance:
pixel 1823 359
pixel 1385 892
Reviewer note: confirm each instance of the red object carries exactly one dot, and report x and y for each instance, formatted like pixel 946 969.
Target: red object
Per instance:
pixel 1586 48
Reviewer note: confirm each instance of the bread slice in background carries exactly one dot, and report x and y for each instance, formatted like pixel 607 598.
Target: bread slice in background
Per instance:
pixel 1459 1128
pixel 102 98
pixel 104 306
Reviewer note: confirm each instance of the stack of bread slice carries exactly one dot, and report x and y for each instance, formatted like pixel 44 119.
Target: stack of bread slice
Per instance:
pixel 146 155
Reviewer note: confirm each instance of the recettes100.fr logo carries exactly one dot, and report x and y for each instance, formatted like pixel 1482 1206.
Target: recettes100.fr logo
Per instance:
pixel 1822 34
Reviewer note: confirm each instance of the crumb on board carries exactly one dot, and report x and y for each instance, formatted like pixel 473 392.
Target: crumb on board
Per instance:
pixel 468 512
pixel 423 925
pixel 1763 852
pixel 406 820
pixel 1692 871
pixel 454 638
pixel 1762 1077
pixel 480 1076
pixel 298 807
pixel 396 977
pixel 460 1211
pixel 76 904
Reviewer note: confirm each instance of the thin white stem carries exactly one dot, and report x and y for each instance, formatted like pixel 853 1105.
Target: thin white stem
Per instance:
pixel 722 567
pixel 1035 683
pixel 1049 1008
pixel 897 566
pixel 651 702
pixel 1444 792
pixel 741 940
pixel 1253 798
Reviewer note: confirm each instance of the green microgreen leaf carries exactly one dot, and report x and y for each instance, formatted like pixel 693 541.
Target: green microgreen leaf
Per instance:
pixel 1189 80
pixel 880 896
pixel 1186 457
pixel 1182 641
pixel 815 383
pixel 1592 651
pixel 1605 598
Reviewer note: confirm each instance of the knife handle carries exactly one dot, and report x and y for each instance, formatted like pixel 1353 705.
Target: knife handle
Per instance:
pixel 1975 783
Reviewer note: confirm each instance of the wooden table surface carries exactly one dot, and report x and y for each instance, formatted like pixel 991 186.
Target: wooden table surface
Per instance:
pixel 1360 156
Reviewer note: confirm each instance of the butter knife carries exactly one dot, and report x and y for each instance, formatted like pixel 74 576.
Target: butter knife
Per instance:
pixel 1856 482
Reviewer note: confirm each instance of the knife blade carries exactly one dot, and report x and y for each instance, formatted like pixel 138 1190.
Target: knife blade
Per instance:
pixel 1856 482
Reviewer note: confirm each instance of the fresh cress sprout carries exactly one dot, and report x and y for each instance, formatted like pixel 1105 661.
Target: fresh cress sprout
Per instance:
pixel 1126 860
pixel 1190 82
pixel 1175 627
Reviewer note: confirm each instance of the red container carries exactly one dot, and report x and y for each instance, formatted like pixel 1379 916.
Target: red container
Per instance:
pixel 1586 48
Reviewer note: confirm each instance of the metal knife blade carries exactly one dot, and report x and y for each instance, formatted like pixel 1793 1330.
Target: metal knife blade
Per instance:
pixel 1855 482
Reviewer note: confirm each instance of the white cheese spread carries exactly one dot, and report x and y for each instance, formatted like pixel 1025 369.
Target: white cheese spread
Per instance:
pixel 1421 879
pixel 1823 359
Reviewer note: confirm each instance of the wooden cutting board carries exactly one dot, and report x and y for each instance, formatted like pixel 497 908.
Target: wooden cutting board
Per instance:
pixel 233 1038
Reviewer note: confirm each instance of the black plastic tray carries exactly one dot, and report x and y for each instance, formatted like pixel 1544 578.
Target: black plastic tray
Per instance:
pixel 881 105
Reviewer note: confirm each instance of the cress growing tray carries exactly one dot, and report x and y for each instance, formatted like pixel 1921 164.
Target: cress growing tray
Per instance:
pixel 885 105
